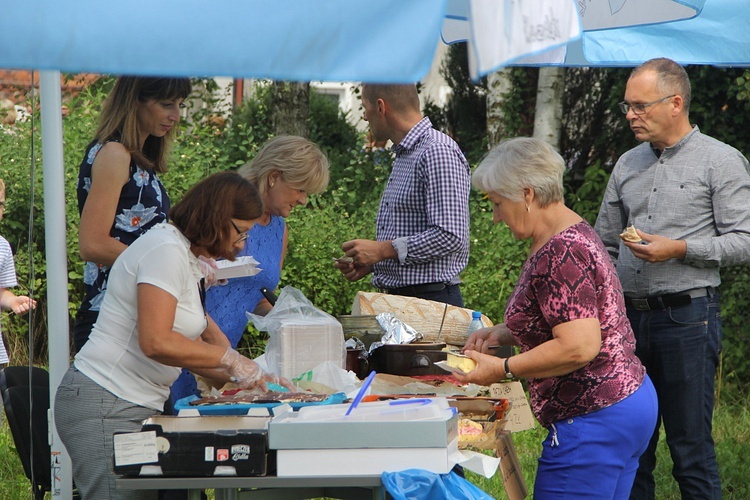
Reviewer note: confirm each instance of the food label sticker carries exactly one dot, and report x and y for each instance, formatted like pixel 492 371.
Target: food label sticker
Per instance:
pixel 135 448
pixel 208 454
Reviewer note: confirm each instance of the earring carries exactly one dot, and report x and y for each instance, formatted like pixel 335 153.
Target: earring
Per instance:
pixel 272 183
pixel 528 209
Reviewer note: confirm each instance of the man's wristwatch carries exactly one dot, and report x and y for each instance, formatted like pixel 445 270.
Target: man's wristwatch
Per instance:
pixel 508 374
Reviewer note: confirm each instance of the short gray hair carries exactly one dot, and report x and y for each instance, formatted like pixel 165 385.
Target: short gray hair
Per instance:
pixel 299 161
pixel 671 78
pixel 516 164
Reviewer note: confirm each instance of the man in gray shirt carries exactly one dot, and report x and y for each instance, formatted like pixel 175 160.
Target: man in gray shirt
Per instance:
pixel 687 195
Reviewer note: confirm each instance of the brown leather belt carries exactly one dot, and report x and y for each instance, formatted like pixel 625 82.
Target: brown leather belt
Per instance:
pixel 662 302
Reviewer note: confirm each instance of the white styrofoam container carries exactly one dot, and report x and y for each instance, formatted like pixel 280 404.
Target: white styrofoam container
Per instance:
pixel 299 347
pixel 362 462
pixel 386 424
pixel 244 265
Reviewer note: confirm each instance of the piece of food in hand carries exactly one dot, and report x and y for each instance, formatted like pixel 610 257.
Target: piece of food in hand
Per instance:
pixel 630 235
pixel 344 260
pixel 461 362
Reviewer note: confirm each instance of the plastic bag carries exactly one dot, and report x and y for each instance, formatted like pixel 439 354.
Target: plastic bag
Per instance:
pixel 300 336
pixel 291 305
pixel 333 376
pixel 419 484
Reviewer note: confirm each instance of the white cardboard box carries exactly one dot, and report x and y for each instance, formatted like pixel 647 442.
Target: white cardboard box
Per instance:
pixel 372 461
pixel 406 426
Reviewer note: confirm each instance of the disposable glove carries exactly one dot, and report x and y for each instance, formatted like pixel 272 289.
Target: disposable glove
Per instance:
pixel 243 371
pixel 208 268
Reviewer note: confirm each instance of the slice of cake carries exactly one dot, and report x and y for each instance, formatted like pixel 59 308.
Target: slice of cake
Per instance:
pixel 461 362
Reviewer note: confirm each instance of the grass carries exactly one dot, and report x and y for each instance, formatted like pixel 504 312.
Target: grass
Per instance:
pixel 731 433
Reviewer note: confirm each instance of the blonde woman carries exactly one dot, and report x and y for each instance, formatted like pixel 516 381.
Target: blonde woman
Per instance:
pixel 285 171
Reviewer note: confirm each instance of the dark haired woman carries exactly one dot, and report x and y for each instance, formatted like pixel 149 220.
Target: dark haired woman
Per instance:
pixel 152 323
pixel 120 195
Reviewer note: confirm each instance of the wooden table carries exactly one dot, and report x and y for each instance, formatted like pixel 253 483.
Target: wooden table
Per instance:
pixel 266 487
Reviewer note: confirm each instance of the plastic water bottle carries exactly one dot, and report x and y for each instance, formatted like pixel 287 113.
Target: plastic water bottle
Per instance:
pixel 476 323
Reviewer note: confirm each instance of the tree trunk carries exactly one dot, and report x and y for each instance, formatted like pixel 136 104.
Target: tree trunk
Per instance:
pixel 549 99
pixel 289 108
pixel 499 85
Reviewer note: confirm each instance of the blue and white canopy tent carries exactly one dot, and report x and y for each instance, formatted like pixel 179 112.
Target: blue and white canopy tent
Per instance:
pixel 389 41
pixel 614 33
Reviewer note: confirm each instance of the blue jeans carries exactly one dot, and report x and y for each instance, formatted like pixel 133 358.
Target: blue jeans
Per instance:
pixel 680 348
pixel 449 295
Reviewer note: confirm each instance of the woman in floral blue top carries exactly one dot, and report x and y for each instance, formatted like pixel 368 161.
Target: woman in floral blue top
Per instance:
pixel 120 195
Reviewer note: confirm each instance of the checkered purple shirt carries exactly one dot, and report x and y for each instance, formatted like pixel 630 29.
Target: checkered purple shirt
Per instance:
pixel 425 211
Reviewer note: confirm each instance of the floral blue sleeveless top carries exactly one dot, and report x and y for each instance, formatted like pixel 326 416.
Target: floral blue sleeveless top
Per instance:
pixel 143 203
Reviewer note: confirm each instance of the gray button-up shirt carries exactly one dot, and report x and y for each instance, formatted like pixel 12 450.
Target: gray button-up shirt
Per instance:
pixel 697 190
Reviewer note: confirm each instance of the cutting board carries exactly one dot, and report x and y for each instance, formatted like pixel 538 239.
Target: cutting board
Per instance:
pixel 423 315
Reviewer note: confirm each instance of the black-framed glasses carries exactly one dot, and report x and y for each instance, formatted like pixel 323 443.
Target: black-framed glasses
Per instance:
pixel 639 109
pixel 242 237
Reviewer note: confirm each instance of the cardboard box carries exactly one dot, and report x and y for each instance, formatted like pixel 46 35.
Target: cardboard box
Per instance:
pixel 373 438
pixel 358 462
pixel 196 446
pixel 510 468
pixel 289 431
pixel 519 416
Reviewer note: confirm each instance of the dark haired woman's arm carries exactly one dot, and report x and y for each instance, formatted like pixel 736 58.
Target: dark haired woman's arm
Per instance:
pixel 109 173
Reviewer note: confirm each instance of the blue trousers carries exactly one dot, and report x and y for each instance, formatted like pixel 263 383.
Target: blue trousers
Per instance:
pixel 680 348
pixel 595 456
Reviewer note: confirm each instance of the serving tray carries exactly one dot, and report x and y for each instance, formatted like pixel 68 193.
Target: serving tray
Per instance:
pixel 242 408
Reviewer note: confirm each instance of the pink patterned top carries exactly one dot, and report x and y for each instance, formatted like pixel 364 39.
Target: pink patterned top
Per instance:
pixel 571 277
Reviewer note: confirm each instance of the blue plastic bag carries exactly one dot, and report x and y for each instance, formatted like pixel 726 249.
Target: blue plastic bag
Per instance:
pixel 419 484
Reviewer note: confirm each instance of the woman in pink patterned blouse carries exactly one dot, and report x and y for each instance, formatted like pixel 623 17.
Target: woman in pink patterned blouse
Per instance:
pixel 567 315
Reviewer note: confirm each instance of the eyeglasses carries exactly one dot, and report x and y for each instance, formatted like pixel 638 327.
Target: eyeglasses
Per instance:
pixel 242 237
pixel 639 109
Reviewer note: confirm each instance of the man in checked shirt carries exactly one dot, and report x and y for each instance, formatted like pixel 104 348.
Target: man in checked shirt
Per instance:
pixel 687 194
pixel 422 233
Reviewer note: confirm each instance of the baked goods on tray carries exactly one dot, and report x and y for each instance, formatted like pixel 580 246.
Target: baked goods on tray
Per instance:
pixel 247 397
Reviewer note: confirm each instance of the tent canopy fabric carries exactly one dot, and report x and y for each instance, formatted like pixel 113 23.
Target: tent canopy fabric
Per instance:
pixel 719 35
pixel 606 14
pixel 388 41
